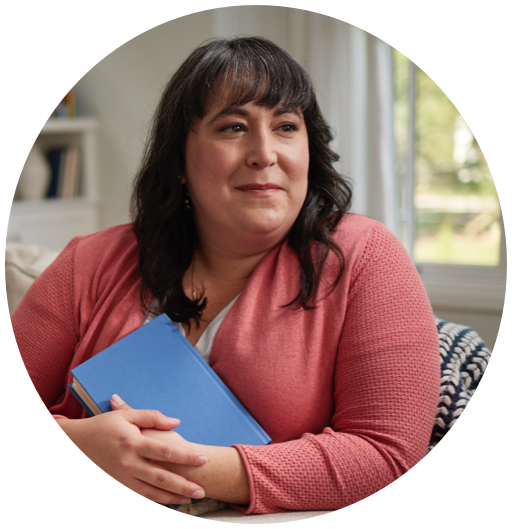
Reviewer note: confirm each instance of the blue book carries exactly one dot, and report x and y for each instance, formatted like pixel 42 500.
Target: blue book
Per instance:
pixel 155 367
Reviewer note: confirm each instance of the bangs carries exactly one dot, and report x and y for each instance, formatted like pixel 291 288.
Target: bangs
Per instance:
pixel 240 73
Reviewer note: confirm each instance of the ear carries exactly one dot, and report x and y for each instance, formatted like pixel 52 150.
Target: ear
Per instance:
pixel 183 180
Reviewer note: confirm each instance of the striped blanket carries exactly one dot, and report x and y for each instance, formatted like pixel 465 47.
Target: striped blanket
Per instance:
pixel 463 357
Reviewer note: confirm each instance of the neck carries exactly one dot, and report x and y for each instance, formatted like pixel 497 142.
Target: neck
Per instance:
pixel 225 261
pixel 220 276
pixel 226 265
pixel 233 254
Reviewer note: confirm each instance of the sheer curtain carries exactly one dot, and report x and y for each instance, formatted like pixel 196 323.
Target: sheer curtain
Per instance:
pixel 353 74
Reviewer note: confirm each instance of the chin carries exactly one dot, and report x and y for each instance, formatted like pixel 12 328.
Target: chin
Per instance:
pixel 262 227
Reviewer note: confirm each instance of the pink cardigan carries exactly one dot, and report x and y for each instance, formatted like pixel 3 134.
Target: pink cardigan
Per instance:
pixel 347 391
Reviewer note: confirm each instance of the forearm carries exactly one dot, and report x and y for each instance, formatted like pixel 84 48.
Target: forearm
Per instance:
pixel 223 477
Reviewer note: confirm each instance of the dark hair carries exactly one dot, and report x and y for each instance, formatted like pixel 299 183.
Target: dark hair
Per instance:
pixel 243 69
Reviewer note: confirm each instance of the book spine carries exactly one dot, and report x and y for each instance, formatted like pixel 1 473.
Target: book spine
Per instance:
pixel 75 172
pixel 80 400
pixel 54 157
pixel 68 184
pixel 62 171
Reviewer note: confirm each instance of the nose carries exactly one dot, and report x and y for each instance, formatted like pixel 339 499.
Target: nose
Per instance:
pixel 261 150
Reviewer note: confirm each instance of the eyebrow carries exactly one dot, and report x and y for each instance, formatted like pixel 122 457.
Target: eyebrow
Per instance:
pixel 229 111
pixel 240 111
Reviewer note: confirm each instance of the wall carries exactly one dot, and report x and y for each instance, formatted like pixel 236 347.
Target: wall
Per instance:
pixel 122 92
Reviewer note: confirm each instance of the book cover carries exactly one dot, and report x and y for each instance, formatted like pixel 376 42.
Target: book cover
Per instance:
pixel 155 367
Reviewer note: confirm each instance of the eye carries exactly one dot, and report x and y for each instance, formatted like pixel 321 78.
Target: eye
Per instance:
pixel 289 127
pixel 236 127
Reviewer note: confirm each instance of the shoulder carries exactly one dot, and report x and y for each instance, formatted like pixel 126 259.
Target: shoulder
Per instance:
pixel 107 240
pixel 103 252
pixel 359 236
pixel 357 228
pixel 370 250
pixel 105 243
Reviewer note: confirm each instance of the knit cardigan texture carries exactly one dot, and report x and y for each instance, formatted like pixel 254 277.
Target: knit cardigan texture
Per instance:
pixel 347 391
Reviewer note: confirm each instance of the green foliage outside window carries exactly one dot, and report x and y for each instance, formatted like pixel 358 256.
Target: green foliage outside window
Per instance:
pixel 456 206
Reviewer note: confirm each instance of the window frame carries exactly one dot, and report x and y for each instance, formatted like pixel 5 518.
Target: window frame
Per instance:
pixel 449 286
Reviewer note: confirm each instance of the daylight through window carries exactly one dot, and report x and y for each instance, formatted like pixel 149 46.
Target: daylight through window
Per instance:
pixel 450 212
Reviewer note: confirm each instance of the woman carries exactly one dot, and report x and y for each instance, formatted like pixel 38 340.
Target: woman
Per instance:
pixel 327 335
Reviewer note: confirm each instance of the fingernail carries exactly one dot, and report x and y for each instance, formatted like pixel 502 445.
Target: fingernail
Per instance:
pixel 198 494
pixel 117 400
pixel 201 460
pixel 184 500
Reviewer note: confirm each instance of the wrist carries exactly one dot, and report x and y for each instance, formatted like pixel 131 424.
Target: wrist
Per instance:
pixel 223 477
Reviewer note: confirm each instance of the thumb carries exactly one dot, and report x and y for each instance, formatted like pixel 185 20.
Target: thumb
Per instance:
pixel 118 403
pixel 145 418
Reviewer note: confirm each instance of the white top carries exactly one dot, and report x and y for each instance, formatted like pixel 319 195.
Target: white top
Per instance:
pixel 205 343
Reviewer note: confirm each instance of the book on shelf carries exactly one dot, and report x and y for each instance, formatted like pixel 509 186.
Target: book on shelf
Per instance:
pixel 65 172
pixel 67 184
pixel 155 367
pixel 54 159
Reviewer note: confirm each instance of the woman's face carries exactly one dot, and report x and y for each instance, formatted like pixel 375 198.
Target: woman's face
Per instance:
pixel 247 171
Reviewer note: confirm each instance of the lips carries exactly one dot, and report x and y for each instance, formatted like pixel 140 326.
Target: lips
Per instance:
pixel 259 190
pixel 258 187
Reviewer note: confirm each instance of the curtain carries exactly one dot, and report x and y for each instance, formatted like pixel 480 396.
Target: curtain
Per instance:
pixel 353 74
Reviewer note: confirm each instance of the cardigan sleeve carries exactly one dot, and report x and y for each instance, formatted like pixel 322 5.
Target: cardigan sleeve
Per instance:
pixel 386 387
pixel 45 326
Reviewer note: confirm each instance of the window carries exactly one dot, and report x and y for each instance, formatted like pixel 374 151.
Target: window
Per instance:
pixel 456 213
pixel 449 218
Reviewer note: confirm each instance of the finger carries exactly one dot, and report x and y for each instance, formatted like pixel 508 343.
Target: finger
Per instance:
pixel 160 451
pixel 158 495
pixel 145 418
pixel 117 403
pixel 160 478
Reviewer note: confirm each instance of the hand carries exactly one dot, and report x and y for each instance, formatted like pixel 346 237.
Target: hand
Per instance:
pixel 115 443
pixel 223 477
pixel 166 436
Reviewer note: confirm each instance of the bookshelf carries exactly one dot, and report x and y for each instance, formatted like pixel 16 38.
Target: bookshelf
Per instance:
pixel 54 222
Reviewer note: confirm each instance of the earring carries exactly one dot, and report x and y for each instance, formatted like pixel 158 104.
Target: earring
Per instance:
pixel 186 198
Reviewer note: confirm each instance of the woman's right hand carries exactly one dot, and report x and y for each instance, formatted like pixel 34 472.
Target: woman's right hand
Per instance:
pixel 115 443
